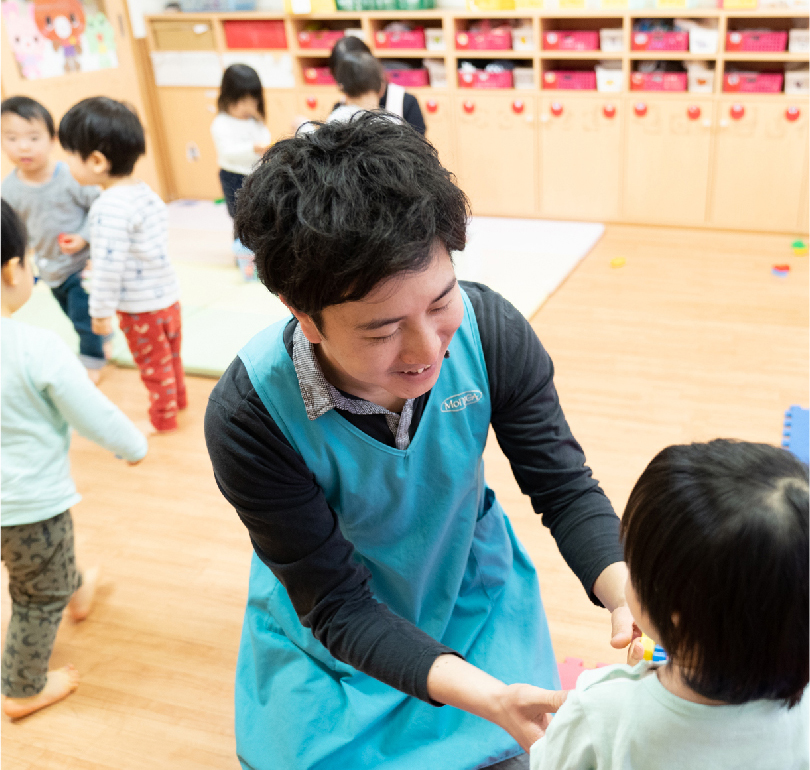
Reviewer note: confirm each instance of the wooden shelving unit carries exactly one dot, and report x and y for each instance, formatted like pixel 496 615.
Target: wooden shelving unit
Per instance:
pixel 593 156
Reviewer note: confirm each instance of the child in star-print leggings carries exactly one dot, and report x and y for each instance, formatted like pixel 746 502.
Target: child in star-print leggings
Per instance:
pixel 154 341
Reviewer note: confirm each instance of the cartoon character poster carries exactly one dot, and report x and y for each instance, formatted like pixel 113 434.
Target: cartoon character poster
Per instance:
pixel 53 37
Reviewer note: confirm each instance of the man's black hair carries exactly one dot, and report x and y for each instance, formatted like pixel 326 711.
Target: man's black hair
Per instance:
pixel 107 126
pixel 332 213
pixel 12 234
pixel 358 73
pixel 28 109
pixel 239 81
pixel 716 542
pixel 345 45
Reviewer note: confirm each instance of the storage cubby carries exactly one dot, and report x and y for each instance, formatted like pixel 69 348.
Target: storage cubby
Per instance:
pixel 496 74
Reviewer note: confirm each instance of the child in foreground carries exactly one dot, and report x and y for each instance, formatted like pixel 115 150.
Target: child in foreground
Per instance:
pixel 129 236
pixel 45 391
pixel 716 542
pixel 53 207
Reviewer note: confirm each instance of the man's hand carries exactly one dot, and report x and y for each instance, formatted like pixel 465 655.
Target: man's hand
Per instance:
pixel 71 243
pixel 102 326
pixel 526 711
pixel 623 629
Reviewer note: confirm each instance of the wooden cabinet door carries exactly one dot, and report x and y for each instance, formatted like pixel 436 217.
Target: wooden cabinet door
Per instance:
pixel 580 156
pixel 497 151
pixel 804 206
pixel 316 102
pixel 60 92
pixel 667 157
pixel 760 160
pixel 280 109
pixel 187 114
pixel 437 110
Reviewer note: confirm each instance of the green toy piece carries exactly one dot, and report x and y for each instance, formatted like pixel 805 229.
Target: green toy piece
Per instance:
pixel 799 247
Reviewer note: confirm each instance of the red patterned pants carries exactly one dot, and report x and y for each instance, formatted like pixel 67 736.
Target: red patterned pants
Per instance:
pixel 154 341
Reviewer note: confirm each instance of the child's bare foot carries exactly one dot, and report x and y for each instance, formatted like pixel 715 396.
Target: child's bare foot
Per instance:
pixel 146 427
pixel 60 684
pixel 82 601
pixel 109 349
pixel 94 375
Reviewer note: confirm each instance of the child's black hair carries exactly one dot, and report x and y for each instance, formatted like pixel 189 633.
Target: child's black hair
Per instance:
pixel 107 126
pixel 345 45
pixel 331 213
pixel 12 234
pixel 358 73
pixel 716 542
pixel 239 81
pixel 28 109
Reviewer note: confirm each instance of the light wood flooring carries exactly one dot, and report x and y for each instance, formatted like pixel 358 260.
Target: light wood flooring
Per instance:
pixel 693 338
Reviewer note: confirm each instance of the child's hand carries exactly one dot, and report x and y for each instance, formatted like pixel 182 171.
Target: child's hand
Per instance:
pixel 135 462
pixel 71 243
pixel 261 149
pixel 102 326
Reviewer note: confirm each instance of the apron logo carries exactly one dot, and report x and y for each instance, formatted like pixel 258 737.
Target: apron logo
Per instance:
pixel 460 401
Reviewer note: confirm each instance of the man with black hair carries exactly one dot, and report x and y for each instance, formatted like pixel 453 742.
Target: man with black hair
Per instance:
pixel 349 439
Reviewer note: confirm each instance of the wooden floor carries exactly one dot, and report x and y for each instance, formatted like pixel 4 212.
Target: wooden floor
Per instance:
pixel 694 338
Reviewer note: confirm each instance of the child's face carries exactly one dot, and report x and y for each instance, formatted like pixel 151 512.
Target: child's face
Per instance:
pixel 89 171
pixel 246 107
pixel 27 143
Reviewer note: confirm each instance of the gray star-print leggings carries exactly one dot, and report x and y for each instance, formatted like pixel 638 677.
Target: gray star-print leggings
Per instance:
pixel 42 576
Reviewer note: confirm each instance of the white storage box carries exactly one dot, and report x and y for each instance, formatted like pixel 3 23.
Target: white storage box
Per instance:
pixel 611 40
pixel 523 77
pixel 703 40
pixel 434 38
pixel 799 40
pixel 437 70
pixel 700 77
pixel 609 77
pixel 523 38
pixel 797 82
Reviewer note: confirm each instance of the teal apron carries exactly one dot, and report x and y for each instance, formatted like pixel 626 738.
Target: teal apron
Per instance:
pixel 441 553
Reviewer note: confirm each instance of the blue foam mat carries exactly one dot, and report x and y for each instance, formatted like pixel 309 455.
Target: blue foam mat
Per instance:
pixel 796 434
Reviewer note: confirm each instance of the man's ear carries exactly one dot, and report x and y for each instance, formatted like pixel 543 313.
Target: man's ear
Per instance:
pixel 307 324
pixel 11 272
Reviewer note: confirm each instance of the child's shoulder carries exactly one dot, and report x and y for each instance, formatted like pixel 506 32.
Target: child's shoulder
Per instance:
pixel 610 681
pixel 38 344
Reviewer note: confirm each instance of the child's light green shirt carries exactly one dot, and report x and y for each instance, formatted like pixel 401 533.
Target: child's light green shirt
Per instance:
pixel 45 391
pixel 622 718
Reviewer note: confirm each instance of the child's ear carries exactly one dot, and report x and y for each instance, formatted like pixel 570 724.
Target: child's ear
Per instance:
pixel 98 162
pixel 11 272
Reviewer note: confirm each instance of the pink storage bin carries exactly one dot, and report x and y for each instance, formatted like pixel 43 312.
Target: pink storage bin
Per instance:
pixel 573 40
pixel 483 79
pixel 753 82
pixel 414 38
pixel 495 40
pixel 318 76
pixel 249 33
pixel 409 78
pixel 319 38
pixel 658 81
pixel 660 41
pixel 753 40
pixel 569 80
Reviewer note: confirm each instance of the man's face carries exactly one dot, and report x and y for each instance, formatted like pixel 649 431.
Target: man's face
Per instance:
pixel 27 143
pixel 389 346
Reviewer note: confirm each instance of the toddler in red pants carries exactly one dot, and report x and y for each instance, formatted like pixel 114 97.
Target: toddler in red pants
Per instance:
pixel 132 275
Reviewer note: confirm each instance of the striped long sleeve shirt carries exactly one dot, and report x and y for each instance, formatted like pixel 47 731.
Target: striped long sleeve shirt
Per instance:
pixel 129 242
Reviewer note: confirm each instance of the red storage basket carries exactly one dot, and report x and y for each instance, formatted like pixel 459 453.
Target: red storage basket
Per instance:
pixel 660 41
pixel 495 40
pixel 255 34
pixel 319 38
pixel 658 81
pixel 318 76
pixel 414 38
pixel 754 40
pixel 484 79
pixel 569 80
pixel 753 82
pixel 573 40
pixel 409 78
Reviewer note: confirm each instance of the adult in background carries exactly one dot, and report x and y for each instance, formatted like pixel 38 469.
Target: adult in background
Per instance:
pixel 386 579
pixel 393 98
